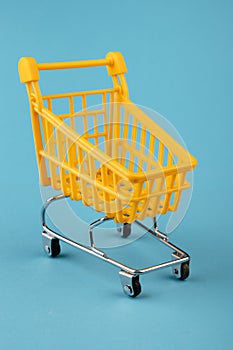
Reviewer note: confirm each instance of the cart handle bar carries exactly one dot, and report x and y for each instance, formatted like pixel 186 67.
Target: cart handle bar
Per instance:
pixel 29 68
pixel 75 64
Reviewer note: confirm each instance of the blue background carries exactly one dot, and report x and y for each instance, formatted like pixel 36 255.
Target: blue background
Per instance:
pixel 179 55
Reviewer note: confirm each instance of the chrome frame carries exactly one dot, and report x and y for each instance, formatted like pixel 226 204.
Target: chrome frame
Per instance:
pixel 178 255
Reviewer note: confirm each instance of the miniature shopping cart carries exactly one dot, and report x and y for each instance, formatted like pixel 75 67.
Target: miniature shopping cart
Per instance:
pixel 117 161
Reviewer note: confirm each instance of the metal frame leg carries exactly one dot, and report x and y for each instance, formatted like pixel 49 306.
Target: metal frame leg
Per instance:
pixel 91 229
pixel 179 257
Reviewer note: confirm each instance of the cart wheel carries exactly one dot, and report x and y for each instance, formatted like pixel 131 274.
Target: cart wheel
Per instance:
pixel 125 230
pixel 130 283
pixel 184 271
pixel 136 287
pixel 55 248
pixel 51 245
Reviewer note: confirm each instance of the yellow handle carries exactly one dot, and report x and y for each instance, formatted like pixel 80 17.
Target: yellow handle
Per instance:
pixel 75 64
pixel 29 68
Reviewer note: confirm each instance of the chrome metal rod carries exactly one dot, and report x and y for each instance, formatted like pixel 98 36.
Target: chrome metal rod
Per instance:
pixel 183 257
pixel 98 222
pixel 157 234
pixel 47 204
pixel 91 235
pixel 110 260
pixel 88 250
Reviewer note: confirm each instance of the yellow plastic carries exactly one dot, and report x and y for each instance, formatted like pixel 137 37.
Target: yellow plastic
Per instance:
pixel 28 70
pixel 129 167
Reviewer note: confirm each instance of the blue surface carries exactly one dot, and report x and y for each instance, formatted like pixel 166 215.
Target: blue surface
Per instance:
pixel 179 56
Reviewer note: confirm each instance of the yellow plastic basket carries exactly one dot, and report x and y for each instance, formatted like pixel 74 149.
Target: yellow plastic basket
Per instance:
pixel 111 156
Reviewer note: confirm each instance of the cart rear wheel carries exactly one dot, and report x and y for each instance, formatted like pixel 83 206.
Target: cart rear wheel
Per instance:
pixel 125 230
pixel 56 248
pixel 184 271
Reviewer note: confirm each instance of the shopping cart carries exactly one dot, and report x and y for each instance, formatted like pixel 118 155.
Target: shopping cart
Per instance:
pixel 118 161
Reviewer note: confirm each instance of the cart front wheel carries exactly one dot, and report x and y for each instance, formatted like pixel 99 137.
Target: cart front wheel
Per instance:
pixel 184 271
pixel 134 289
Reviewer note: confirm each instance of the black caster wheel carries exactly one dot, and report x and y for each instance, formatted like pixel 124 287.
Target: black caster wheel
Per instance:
pixel 51 245
pixel 125 230
pixel 130 283
pixel 184 271
pixel 136 287
pixel 55 248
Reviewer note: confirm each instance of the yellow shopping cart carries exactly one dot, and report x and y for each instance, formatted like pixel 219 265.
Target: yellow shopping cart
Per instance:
pixel 119 161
